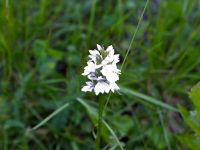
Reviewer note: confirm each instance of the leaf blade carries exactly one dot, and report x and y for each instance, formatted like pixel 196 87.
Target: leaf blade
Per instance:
pixel 147 98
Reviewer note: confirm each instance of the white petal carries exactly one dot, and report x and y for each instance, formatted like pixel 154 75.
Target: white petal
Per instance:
pixel 116 58
pixel 90 67
pixel 85 73
pixel 87 88
pixel 112 77
pixel 101 87
pixel 92 77
pixel 107 69
pixel 104 70
pixel 99 47
pixel 97 88
pixel 107 60
pixel 98 66
pixel 94 52
pixel 89 83
pixel 100 78
pixel 110 50
pixel 91 52
pixel 114 87
pixel 106 87
pixel 92 57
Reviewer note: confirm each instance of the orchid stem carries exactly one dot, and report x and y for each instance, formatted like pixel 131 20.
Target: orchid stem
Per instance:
pixel 99 127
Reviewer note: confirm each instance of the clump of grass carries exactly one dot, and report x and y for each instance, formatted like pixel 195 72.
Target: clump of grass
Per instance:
pixel 42 49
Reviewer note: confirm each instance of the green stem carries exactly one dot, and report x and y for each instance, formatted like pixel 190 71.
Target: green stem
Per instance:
pixel 100 118
pixel 137 28
pixel 51 116
pixel 91 21
pixel 127 52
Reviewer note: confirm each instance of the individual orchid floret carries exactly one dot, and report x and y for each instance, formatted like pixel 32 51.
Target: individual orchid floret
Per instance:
pixel 89 87
pixel 111 72
pixel 89 68
pixel 102 70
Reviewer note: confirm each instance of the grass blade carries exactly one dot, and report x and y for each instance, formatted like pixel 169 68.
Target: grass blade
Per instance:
pixel 148 99
pixel 113 134
pixel 51 116
pixel 164 130
pixel 137 28
pixel 91 21
pixel 93 113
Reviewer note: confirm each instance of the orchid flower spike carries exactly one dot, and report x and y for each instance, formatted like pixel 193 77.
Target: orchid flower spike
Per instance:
pixel 101 70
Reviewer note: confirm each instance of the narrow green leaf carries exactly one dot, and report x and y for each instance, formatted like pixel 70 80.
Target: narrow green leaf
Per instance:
pixel 51 116
pixel 147 98
pixel 191 119
pixel 93 113
pixel 164 130
pixel 113 134
pixel 191 141
pixel 195 96
pixel 89 108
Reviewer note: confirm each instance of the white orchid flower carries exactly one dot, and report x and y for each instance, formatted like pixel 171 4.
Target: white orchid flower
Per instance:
pixel 102 70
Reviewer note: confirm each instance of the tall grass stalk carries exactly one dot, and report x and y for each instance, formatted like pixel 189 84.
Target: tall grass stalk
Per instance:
pixel 91 21
pixel 133 37
pixel 51 116
pixel 127 52
pixel 164 130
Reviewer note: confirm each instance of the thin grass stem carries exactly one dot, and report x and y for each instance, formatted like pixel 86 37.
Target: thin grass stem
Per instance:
pixel 91 20
pixel 164 130
pixel 51 116
pixel 139 22
pixel 133 37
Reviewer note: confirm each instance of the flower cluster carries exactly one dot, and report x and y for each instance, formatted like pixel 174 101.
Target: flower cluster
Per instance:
pixel 102 71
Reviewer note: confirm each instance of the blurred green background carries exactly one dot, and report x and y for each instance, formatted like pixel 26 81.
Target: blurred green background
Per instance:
pixel 43 50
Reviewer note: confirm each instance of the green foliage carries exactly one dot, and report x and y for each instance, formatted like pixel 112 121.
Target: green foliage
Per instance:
pixel 147 98
pixel 43 49
pixel 195 97
pixel 192 118
pixel 93 115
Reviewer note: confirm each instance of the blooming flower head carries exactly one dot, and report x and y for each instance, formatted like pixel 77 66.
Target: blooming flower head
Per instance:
pixel 102 70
